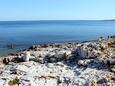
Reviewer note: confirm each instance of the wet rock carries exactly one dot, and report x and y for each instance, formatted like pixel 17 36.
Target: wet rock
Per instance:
pixel 33 47
pixel 13 54
pixel 44 46
pixel 6 60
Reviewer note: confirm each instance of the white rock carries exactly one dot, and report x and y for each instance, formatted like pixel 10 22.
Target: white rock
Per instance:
pixel 26 56
pixel 49 74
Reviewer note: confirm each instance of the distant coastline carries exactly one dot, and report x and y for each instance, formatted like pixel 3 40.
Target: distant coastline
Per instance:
pixel 57 20
pixel 110 20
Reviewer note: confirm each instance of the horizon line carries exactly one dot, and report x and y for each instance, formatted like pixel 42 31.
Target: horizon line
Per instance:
pixel 59 20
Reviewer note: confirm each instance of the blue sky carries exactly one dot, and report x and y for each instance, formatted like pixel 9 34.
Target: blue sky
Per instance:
pixel 57 9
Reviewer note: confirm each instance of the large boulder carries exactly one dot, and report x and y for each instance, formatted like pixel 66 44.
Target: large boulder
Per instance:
pixel 26 56
pixel 8 59
pixel 87 50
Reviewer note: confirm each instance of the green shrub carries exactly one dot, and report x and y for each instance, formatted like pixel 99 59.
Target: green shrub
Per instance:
pixel 13 82
pixel 101 40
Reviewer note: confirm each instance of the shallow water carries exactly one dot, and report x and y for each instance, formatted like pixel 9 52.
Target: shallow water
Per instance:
pixel 26 33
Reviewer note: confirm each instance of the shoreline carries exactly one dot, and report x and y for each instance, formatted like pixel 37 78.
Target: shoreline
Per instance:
pixel 17 49
pixel 59 64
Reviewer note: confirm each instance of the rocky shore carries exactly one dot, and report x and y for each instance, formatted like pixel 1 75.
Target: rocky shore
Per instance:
pixel 64 64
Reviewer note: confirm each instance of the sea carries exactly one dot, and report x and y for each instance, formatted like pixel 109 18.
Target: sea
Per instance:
pixel 23 34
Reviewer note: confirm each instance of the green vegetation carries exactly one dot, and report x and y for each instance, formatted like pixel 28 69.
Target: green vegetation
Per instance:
pixel 101 40
pixel 13 82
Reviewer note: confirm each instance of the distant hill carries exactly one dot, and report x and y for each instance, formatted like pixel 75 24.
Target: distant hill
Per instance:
pixel 110 20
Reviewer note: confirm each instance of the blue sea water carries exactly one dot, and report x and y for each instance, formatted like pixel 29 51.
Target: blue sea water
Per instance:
pixel 26 33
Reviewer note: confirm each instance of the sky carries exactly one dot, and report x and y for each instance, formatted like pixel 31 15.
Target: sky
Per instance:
pixel 57 9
